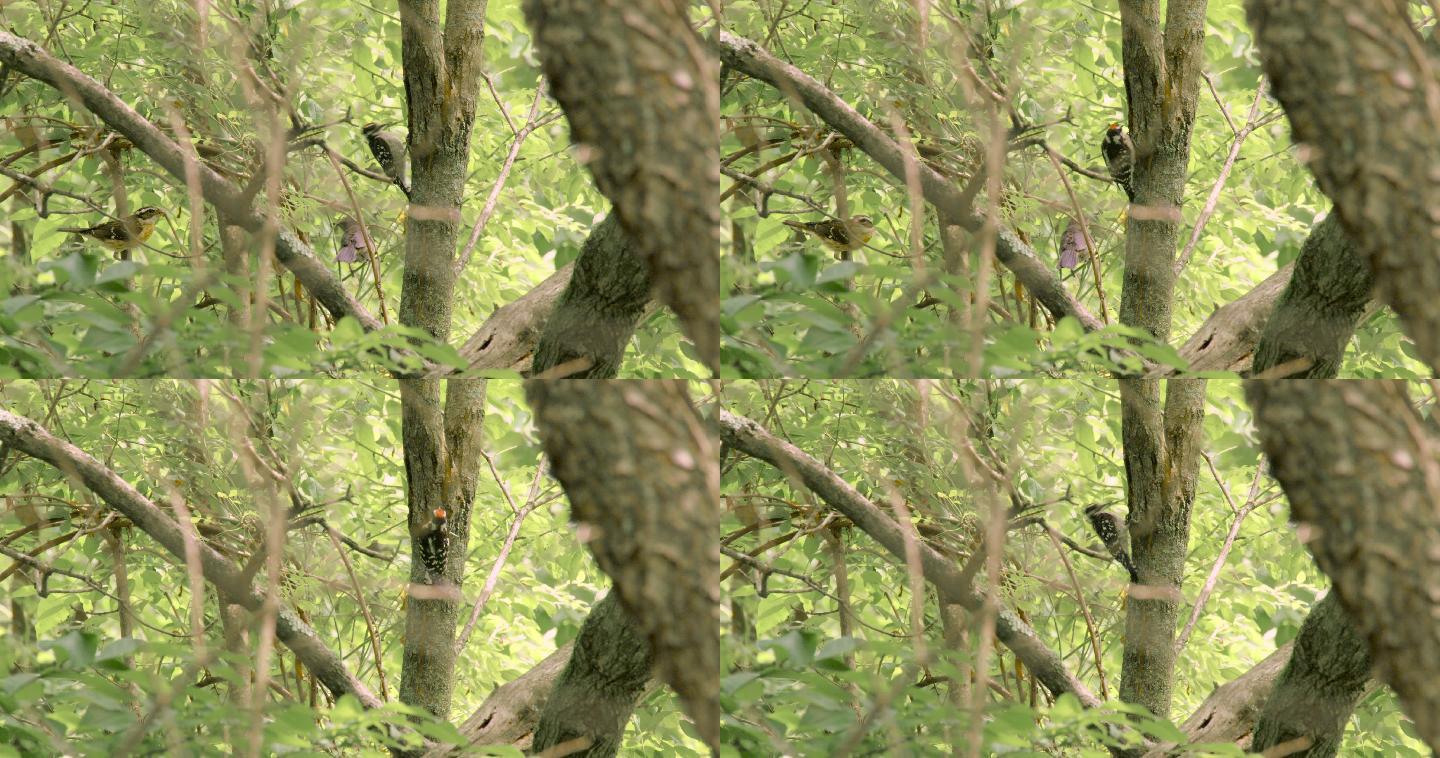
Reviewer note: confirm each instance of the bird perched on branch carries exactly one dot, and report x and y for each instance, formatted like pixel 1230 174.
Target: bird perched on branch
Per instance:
pixel 1119 154
pixel 389 151
pixel 842 237
pixel 432 543
pixel 1115 535
pixel 352 240
pixel 122 234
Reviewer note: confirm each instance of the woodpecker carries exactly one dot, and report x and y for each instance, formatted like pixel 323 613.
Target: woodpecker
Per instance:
pixel 1113 532
pixel 1119 154
pixel 123 234
pixel 389 152
pixel 432 543
pixel 838 236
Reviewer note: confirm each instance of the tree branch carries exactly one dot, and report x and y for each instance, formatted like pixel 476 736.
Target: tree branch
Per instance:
pixel 751 59
pixel 30 59
pixel 29 437
pixel 746 435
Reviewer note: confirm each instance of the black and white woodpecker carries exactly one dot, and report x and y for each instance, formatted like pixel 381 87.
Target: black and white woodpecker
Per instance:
pixel 432 544
pixel 1115 535
pixel 1119 154
pixel 389 151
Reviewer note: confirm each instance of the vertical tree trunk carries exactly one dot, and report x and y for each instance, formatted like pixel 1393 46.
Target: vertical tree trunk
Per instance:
pixel 1162 68
pixel 1161 462
pixel 442 68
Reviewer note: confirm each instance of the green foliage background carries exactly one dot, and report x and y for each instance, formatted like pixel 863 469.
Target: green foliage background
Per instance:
pixel 76 682
pixel 1054 438
pixel 70 312
pixel 791 308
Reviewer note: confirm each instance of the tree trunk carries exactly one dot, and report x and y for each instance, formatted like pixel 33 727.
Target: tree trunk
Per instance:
pixel 596 693
pixel 640 469
pixel 1162 74
pixel 1327 673
pixel 597 314
pixel 641 92
pixel 1161 461
pixel 1358 464
pixel 442 69
pixel 1317 314
pixel 1359 86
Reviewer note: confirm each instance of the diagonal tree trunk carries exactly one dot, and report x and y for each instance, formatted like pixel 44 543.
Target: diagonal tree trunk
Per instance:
pixel 28 437
pixel 640 468
pixel 641 92
pixel 1359 86
pixel 1359 465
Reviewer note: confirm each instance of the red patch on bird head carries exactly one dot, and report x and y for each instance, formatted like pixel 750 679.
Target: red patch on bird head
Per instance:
pixel 440 513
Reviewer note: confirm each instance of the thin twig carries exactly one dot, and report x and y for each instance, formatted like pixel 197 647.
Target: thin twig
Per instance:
pixel 1240 514
pixel 490 201
pixel 335 539
pixel 364 231
pixel 1252 122
pixel 494 576
pixel 1055 539
pixel 1084 231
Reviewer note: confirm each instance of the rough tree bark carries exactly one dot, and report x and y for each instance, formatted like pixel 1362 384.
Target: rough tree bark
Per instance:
pixel 442 463
pixel 640 468
pixel 1303 315
pixel 953 585
pixel 1162 78
pixel 1324 679
pixel 1228 714
pixel 25 435
pixel 1360 87
pixel 641 92
pixel 586 689
pixel 1318 312
pixel 442 80
pixel 596 316
pixel 1161 462
pixel 507 340
pixel 1359 465
pixel 598 689
pixel 1227 339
